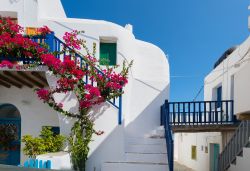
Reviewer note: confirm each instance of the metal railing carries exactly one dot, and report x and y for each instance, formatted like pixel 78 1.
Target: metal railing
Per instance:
pixel 201 112
pixel 235 146
pixel 56 45
pixel 168 134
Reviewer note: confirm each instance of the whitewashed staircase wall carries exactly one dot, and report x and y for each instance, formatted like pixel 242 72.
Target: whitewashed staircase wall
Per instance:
pixel 106 119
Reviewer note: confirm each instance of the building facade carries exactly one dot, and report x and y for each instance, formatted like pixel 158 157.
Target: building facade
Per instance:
pixel 147 89
pixel 229 80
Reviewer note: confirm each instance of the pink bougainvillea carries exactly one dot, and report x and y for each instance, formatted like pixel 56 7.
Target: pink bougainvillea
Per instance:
pixel 44 30
pixel 71 77
pixel 43 94
pixel 71 39
pixel 7 64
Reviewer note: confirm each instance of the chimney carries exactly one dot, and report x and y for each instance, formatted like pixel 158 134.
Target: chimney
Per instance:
pixel 129 27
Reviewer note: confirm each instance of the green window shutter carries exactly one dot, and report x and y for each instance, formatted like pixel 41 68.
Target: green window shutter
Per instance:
pixel 107 53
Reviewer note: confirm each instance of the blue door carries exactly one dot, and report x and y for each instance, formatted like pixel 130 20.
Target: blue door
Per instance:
pixel 10 135
pixel 214 154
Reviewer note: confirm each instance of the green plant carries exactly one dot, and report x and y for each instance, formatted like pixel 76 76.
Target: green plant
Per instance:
pixel 53 143
pixel 33 146
pixel 47 142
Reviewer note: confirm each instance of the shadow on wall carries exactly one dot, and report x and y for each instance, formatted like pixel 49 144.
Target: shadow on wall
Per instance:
pixel 149 117
pixel 98 110
pixel 111 149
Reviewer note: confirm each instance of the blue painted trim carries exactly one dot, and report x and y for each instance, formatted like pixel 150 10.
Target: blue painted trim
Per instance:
pixel 50 41
pixel 120 111
pixel 35 163
pixel 168 134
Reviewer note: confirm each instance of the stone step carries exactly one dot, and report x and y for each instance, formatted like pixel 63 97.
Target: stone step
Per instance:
pixel 146 148
pixel 159 132
pixel 246 153
pixel 232 167
pixel 242 164
pixel 134 166
pixel 147 157
pixel 141 140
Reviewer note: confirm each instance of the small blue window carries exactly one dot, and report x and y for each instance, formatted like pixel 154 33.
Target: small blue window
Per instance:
pixel 219 96
pixel 54 129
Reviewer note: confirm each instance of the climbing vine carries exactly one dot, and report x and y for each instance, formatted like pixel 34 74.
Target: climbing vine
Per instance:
pixel 69 79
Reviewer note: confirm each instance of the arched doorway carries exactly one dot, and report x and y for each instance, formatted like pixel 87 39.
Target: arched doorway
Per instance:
pixel 10 134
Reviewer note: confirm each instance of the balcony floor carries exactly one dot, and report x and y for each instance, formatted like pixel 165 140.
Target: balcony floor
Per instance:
pixel 204 128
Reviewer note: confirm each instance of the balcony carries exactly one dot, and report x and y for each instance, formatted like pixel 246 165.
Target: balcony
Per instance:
pixel 201 116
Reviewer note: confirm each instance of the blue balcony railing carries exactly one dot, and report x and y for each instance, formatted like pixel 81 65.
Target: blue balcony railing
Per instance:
pixel 201 112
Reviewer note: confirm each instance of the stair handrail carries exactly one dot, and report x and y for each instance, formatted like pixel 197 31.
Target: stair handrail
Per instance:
pixel 168 134
pixel 235 146
pixel 55 45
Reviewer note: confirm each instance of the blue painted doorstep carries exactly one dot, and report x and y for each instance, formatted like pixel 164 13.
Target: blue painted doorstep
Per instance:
pixel 34 163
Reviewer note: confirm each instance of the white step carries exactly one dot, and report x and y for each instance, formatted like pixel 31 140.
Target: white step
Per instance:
pixel 146 148
pixel 242 164
pixel 139 140
pixel 246 152
pixel 232 167
pixel 146 157
pixel 134 166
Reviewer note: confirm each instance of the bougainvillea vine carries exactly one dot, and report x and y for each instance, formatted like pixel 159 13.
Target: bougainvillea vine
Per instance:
pixel 109 83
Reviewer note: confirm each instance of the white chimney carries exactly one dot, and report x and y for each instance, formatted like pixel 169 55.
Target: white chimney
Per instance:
pixel 129 27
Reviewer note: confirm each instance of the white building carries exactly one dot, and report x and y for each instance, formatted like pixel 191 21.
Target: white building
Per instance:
pixel 229 80
pixel 122 147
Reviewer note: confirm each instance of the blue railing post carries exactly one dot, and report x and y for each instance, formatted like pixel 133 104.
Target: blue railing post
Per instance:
pixel 165 116
pixel 50 41
pixel 120 110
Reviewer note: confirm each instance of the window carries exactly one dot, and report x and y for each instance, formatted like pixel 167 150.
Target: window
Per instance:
pixel 193 152
pixel 206 149
pixel 219 96
pixel 108 53
pixel 54 129
pixel 232 87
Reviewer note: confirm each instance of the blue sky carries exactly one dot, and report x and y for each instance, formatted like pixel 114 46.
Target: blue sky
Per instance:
pixel 194 33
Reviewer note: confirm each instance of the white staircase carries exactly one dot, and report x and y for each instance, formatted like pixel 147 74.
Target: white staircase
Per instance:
pixel 242 163
pixel 143 154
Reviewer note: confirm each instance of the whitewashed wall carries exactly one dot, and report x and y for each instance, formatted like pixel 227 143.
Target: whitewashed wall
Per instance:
pixel 242 89
pixel 223 73
pixel 34 113
pixel 183 143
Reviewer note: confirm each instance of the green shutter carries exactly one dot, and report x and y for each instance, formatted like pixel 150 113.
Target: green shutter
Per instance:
pixel 107 53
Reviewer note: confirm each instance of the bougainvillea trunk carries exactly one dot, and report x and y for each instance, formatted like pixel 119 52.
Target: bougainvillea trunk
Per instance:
pixel 80 138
